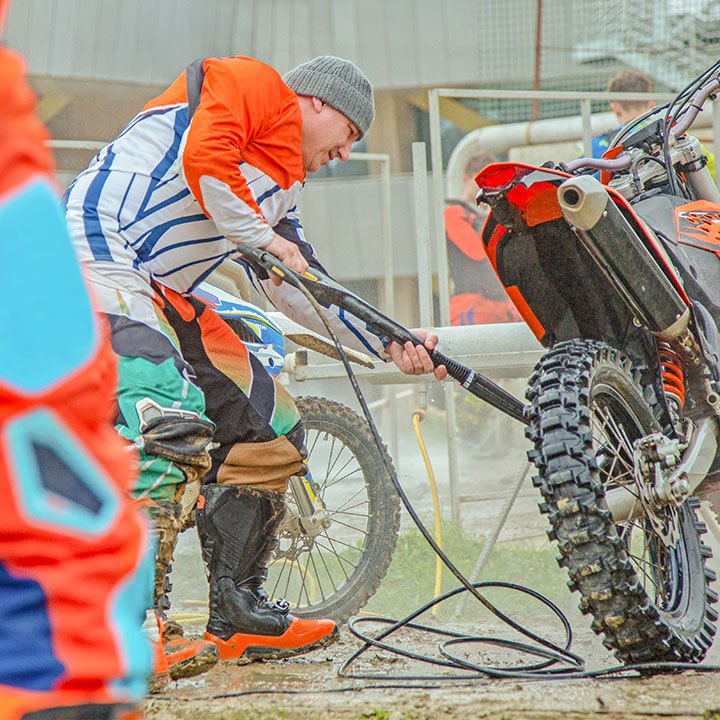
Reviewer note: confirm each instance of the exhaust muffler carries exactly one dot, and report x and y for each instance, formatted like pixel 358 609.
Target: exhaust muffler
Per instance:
pixel 622 257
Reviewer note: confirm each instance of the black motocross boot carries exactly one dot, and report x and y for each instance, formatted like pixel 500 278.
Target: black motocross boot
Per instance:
pixel 237 527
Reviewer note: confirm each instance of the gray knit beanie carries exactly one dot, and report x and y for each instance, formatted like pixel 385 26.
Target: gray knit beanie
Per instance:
pixel 339 83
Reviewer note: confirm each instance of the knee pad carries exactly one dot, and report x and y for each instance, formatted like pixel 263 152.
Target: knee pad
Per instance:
pixel 177 435
pixel 267 465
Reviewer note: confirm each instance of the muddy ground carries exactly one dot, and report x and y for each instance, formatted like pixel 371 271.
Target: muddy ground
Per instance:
pixel 309 687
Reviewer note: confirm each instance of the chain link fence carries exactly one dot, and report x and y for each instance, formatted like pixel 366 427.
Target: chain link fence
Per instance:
pixel 584 43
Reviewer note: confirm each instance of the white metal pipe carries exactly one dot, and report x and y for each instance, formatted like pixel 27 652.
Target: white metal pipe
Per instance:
pixel 499 139
pixel 438 207
pixel 444 294
pixel 587 131
pixel 500 350
pixel 388 247
pixel 422 233
pixel 716 137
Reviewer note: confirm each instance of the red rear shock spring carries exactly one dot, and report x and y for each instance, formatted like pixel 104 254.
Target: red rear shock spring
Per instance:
pixel 672 372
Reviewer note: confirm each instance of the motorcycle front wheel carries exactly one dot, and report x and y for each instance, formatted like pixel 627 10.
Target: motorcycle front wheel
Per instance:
pixel 335 573
pixel 645 582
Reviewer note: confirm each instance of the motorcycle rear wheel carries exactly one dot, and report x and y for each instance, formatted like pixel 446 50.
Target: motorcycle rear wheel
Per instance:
pixel 335 574
pixel 650 600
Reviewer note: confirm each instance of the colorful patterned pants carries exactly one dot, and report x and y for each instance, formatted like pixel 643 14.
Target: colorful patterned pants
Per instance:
pixel 176 351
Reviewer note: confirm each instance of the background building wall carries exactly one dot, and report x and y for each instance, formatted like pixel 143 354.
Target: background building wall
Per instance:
pixel 403 43
pixel 94 63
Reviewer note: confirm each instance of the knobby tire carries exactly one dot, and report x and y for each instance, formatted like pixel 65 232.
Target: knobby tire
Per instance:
pixel 572 385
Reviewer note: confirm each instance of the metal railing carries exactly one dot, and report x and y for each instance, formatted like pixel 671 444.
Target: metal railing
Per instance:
pixel 499 351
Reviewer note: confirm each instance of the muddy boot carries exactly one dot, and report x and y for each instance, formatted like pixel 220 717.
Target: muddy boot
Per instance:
pixel 184 657
pixel 237 527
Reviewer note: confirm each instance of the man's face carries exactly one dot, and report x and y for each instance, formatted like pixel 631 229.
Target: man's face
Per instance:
pixel 326 135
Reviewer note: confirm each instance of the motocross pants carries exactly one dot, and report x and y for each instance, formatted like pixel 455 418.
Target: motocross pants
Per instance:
pixel 182 366
pixel 180 359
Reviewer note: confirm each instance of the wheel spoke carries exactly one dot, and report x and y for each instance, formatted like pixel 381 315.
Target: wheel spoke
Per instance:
pixel 281 572
pixel 346 503
pixel 609 448
pixel 331 546
pixel 641 565
pixel 328 549
pixel 341 478
pixel 349 518
pixel 350 527
pixel 329 573
pixel 303 580
pixel 619 432
pixel 334 459
pixel 349 512
pixel 314 443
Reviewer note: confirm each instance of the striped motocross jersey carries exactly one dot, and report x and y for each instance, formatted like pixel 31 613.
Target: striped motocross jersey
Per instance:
pixel 173 199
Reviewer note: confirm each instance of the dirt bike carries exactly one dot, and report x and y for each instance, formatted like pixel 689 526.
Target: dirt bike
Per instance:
pixel 619 278
pixel 342 520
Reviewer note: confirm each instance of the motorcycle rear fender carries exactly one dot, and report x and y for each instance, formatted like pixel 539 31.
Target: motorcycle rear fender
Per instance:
pixel 551 278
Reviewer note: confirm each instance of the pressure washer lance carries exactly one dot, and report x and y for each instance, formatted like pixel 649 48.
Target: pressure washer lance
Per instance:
pixel 328 292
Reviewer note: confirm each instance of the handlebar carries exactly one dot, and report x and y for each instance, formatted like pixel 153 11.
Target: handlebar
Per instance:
pixel 696 105
pixel 619 163
pixel 680 126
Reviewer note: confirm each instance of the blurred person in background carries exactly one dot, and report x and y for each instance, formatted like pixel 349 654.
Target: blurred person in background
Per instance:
pixel 75 557
pixel 477 295
pixel 629 81
pixel 632 81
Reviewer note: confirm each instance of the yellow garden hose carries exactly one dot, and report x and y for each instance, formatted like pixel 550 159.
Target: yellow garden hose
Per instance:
pixel 418 417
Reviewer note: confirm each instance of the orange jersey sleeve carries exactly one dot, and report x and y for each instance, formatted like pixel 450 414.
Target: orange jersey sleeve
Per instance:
pixel 246 114
pixel 462 234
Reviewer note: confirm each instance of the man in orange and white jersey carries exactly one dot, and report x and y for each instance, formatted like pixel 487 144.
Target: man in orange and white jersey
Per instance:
pixel 216 161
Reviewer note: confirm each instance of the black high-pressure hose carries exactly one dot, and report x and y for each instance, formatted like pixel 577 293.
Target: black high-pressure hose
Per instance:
pixel 555 661
pixel 325 291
